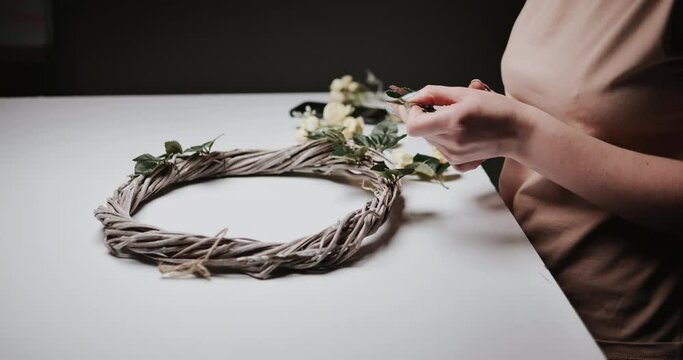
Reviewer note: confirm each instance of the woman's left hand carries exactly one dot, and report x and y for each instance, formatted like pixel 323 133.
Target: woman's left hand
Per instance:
pixel 469 125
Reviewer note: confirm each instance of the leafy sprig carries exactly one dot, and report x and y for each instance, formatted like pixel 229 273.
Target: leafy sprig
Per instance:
pixel 384 136
pixel 425 166
pixel 333 134
pixel 428 167
pixel 146 164
pixel 392 175
pixel 357 155
pixel 396 93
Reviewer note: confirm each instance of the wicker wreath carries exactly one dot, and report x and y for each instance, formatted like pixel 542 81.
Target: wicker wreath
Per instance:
pixel 183 253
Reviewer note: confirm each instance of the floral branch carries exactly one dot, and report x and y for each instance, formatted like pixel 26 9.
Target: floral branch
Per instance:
pixel 146 164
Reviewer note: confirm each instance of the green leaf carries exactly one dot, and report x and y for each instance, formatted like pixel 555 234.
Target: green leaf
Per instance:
pixel 334 135
pixel 430 160
pixel 379 166
pixel 384 136
pixel 204 148
pixel 442 168
pixel 392 142
pixel 425 170
pixel 145 164
pixel 145 167
pixel 405 171
pixel 390 174
pixel 341 150
pixel 173 147
pixel 362 140
pixel 427 166
pixel 392 94
pixel 386 127
pixel 146 157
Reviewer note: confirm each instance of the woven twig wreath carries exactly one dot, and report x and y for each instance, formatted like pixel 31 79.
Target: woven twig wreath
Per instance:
pixel 197 254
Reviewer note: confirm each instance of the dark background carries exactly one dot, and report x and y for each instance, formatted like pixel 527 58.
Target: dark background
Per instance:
pixel 183 47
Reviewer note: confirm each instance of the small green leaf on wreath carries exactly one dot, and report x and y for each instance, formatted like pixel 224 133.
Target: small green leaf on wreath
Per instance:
pixel 334 135
pixel 392 175
pixel 209 144
pixel 204 148
pixel 146 157
pixel 384 136
pixel 362 140
pixel 356 155
pixel 145 164
pixel 173 147
pixel 341 150
pixel 379 166
pixel 146 167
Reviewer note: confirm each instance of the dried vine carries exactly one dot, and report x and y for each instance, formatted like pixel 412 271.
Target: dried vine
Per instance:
pixel 179 252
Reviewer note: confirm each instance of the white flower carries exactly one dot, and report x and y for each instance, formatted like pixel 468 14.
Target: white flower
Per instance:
pixel 310 123
pixel 346 80
pixel 334 112
pixel 336 85
pixel 345 90
pixel 301 135
pixel 437 154
pixel 352 126
pixel 337 96
pixel 401 158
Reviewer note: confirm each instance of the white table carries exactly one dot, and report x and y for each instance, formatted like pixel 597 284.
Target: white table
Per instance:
pixel 456 280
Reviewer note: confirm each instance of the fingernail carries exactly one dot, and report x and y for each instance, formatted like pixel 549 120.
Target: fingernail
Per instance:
pixel 390 109
pixel 408 96
pixel 473 80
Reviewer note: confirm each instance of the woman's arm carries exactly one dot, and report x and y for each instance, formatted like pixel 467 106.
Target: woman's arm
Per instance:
pixel 645 189
pixel 472 125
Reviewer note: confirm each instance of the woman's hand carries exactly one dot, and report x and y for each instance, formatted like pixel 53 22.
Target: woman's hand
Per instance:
pixel 469 125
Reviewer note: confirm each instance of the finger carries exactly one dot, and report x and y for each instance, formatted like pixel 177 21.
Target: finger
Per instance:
pixel 461 163
pixel 479 85
pixel 460 167
pixel 392 109
pixel 398 110
pixel 436 95
pixel 404 112
pixel 431 123
pixel 468 165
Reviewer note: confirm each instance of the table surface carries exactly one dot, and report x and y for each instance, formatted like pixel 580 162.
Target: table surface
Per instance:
pixel 451 275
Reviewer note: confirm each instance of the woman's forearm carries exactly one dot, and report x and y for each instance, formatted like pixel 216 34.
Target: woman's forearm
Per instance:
pixel 642 188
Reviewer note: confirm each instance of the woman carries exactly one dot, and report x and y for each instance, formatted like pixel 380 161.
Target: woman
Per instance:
pixel 591 127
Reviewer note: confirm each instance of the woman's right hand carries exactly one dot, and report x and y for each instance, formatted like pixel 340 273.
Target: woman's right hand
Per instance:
pixel 468 125
pixel 479 85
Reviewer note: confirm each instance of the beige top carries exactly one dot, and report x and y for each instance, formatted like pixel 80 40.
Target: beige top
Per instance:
pixel 613 69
